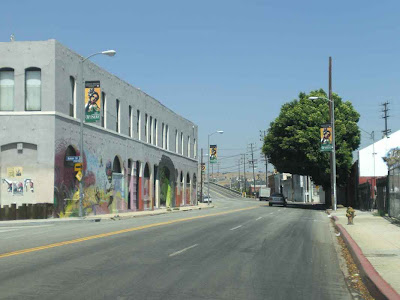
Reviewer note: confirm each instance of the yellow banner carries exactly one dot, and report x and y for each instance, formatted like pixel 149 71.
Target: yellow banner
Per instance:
pixel 92 101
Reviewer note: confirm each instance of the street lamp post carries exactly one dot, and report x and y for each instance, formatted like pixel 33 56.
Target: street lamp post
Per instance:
pixel 108 53
pixel 208 164
pixel 333 160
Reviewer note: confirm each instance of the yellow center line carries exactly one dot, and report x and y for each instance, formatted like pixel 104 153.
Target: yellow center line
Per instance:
pixel 103 235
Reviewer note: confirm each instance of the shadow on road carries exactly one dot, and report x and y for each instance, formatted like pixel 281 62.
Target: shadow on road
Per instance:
pixel 303 206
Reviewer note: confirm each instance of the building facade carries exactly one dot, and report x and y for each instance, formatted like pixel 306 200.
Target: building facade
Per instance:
pixel 140 155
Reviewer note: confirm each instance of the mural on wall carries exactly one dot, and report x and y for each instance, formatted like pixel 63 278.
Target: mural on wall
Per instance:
pixel 16 188
pixel 194 191
pixel 167 178
pixel 107 186
pixel 104 190
pixel 165 188
pixel 15 184
pixel 187 190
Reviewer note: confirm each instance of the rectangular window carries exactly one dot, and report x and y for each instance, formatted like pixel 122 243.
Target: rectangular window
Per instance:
pixel 167 137
pixel 182 143
pixel 138 127
pixel 72 97
pixel 130 121
pixel 163 136
pixel 156 132
pixel 146 127
pixel 151 130
pixel 33 87
pixel 188 146
pixel 176 141
pixel 7 90
pixel 118 108
pixel 103 109
pixel 195 148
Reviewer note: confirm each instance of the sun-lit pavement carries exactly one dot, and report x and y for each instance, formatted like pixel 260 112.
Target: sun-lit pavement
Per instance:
pixel 379 241
pixel 241 249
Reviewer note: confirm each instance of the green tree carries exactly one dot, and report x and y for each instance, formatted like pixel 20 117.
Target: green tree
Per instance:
pixel 293 140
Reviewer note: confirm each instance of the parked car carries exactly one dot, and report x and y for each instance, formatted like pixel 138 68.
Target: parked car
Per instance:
pixel 277 198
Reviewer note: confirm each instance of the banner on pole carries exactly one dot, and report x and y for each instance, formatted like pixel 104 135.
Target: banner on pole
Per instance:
pixel 203 168
pixel 213 154
pixel 92 101
pixel 326 138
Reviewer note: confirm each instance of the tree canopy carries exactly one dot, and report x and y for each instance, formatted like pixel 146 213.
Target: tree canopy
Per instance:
pixel 293 143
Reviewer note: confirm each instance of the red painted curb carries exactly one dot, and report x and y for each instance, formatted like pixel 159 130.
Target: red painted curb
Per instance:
pixel 377 286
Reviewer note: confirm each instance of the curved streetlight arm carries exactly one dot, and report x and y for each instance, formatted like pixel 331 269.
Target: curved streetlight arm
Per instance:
pixel 315 98
pixel 106 52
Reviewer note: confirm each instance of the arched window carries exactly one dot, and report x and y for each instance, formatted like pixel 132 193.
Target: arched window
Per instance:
pixel 116 165
pixel 33 89
pixel 6 89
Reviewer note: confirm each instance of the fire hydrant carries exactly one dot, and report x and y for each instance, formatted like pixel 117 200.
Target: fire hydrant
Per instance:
pixel 350 214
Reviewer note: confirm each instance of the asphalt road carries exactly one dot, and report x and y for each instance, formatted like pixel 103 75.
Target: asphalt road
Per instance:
pixel 237 250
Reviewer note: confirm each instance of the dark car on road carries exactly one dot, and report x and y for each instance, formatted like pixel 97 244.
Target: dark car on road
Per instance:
pixel 278 199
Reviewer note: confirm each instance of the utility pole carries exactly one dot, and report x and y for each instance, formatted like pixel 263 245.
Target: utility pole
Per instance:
pixel 386 116
pixel 252 162
pixel 333 153
pixel 201 176
pixel 239 175
pixel 262 137
pixel 244 171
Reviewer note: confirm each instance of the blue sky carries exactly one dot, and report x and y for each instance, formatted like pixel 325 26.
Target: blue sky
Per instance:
pixel 230 65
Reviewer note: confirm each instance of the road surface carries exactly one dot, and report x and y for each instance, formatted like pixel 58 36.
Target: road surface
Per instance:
pixel 241 249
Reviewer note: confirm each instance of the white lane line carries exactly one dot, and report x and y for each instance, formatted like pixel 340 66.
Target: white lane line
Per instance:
pixel 183 250
pixel 271 213
pixel 236 227
pixel 258 218
pixel 26 227
pixel 6 230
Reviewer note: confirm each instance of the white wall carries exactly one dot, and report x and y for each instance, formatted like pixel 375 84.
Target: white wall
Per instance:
pixel 381 148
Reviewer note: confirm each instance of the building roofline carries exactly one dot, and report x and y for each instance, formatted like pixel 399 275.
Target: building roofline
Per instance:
pixel 56 42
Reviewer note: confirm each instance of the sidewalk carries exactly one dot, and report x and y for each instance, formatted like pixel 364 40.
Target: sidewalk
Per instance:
pixel 93 218
pixel 379 242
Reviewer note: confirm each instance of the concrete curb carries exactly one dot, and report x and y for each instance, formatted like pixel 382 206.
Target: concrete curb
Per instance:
pixel 377 286
pixel 98 218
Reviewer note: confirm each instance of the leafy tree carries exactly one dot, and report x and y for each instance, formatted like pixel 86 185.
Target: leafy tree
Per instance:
pixel 293 140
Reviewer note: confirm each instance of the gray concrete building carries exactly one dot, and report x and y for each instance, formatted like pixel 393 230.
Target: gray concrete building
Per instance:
pixel 140 155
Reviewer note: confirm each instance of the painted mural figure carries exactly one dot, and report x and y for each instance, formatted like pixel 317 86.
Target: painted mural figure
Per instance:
pixel 28 183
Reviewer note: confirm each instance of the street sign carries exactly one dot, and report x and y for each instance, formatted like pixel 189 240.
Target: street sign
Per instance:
pixel 79 175
pixel 203 168
pixel 78 167
pixel 74 159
